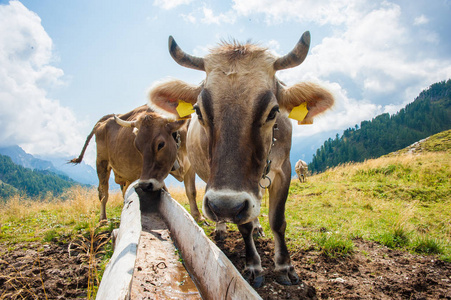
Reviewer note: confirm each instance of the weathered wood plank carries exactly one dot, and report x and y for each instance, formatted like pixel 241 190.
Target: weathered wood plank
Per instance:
pixel 158 272
pixel 214 274
pixel 116 280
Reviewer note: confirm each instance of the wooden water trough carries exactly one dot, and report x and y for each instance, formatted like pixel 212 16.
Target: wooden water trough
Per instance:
pixel 156 233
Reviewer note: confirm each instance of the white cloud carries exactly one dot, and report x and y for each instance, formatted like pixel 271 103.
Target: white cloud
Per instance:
pixel 206 15
pixel 274 47
pixel 321 12
pixel 170 4
pixel 210 18
pixel 189 18
pixel 377 57
pixel 27 116
pixel 421 20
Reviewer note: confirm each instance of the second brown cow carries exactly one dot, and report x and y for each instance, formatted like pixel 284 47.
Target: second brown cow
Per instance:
pixel 141 145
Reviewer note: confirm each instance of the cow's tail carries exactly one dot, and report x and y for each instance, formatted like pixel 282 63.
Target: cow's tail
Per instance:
pixel 88 139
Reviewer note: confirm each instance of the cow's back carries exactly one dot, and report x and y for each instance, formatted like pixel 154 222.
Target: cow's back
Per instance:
pixel 115 144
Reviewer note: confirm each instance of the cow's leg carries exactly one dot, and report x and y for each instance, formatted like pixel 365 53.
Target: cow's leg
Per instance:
pixel 258 230
pixel 278 193
pixel 253 272
pixel 221 230
pixel 103 172
pixel 190 189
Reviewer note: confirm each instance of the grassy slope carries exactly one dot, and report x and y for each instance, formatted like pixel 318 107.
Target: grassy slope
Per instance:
pixel 53 219
pixel 401 200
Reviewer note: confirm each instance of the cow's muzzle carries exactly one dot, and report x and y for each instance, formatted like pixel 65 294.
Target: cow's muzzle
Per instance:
pixel 150 185
pixel 230 206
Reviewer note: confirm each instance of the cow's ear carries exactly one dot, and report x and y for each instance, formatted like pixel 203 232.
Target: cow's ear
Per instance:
pixel 164 97
pixel 174 126
pixel 317 99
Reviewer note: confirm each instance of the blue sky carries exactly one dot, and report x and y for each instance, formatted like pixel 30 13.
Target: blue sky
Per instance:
pixel 64 64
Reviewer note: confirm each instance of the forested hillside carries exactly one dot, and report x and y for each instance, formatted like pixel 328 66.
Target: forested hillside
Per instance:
pixel 429 114
pixel 33 183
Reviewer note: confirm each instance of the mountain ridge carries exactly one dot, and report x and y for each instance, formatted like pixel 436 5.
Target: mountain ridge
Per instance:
pixel 82 173
pixel 427 115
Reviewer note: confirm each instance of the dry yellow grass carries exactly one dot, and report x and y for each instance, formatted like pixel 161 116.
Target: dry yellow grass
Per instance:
pixel 428 161
pixel 24 219
pixel 178 193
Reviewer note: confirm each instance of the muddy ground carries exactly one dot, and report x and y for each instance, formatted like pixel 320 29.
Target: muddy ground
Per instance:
pixel 34 271
pixel 41 271
pixel 372 272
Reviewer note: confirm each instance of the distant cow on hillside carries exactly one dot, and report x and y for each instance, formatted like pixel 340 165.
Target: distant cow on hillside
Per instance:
pixel 301 169
pixel 141 145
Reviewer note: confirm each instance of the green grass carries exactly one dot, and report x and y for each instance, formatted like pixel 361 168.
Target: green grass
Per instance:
pixel 334 245
pixel 392 200
pixel 397 238
pixel 427 245
pixel 401 201
pixel 71 218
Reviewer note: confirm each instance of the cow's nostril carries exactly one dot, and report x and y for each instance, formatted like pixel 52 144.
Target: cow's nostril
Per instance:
pixel 239 208
pixel 213 208
pixel 241 211
pixel 146 186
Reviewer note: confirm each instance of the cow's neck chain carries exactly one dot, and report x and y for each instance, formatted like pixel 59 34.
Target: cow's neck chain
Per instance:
pixel 265 181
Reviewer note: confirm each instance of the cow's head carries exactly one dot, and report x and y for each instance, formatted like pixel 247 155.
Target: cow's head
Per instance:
pixel 155 140
pixel 237 106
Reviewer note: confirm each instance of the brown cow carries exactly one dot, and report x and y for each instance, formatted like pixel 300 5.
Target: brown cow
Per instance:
pixel 301 169
pixel 240 137
pixel 124 142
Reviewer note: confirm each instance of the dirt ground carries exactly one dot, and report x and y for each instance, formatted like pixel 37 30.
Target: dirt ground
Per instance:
pixel 40 271
pixel 372 272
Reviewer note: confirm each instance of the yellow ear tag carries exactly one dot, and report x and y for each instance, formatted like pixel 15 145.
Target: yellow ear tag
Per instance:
pixel 184 109
pixel 299 112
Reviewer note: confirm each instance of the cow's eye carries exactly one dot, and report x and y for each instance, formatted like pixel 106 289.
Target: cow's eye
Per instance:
pixel 160 146
pixel 273 113
pixel 198 112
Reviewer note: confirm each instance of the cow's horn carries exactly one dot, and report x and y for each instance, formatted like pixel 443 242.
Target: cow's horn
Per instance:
pixel 184 59
pixel 296 56
pixel 124 123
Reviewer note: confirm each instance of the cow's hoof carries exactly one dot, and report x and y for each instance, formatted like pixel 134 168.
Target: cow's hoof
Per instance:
pixel 287 277
pixel 258 232
pixel 220 235
pixel 201 220
pixel 254 278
